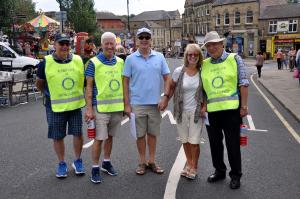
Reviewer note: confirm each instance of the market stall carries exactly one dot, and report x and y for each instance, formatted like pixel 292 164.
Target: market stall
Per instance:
pixel 44 26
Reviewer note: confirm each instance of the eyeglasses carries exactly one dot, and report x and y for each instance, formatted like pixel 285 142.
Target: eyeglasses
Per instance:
pixel 192 54
pixel 144 37
pixel 64 43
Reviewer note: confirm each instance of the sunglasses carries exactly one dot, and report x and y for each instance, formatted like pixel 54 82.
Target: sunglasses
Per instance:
pixel 144 37
pixel 64 43
pixel 192 54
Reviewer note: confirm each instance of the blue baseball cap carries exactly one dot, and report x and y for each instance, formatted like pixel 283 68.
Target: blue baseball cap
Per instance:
pixel 143 30
pixel 61 37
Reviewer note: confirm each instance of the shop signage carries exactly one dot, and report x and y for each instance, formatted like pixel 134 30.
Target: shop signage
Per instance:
pixel 284 41
pixel 282 26
pixel 289 36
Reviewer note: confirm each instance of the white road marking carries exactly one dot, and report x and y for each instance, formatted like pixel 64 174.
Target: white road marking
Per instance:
pixel 169 113
pixel 170 192
pixel 124 121
pixel 281 118
pixel 87 145
pixel 250 122
pixel 262 130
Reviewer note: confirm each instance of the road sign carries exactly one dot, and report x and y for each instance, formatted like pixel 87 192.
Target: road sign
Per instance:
pixel 61 16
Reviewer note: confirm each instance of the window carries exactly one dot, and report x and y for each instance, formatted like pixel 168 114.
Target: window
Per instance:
pixel 207 11
pixel 190 28
pixel 226 18
pixel 237 18
pixel 293 25
pixel 249 16
pixel 218 19
pixel 273 27
pixel 202 12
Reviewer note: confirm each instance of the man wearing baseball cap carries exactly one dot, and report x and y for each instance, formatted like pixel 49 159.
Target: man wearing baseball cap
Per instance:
pixel 142 82
pixel 226 86
pixel 61 79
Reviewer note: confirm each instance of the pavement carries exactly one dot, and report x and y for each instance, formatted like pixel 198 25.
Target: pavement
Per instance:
pixel 282 85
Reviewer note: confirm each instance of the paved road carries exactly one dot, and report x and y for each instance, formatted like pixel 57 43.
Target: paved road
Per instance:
pixel 270 162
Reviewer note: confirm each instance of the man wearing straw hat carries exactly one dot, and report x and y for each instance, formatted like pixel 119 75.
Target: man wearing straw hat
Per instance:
pixel 226 86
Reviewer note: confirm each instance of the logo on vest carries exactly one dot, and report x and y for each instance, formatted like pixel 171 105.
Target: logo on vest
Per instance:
pixel 68 83
pixel 114 85
pixel 217 82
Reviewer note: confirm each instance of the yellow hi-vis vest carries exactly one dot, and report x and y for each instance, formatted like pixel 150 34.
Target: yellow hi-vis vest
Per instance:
pixel 66 83
pixel 108 80
pixel 220 83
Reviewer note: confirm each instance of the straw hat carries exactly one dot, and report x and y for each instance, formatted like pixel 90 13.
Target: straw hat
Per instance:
pixel 212 37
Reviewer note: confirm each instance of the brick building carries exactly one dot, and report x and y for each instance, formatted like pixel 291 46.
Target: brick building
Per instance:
pixel 107 21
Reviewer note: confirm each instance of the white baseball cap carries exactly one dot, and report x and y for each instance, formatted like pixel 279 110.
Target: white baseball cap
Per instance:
pixel 143 30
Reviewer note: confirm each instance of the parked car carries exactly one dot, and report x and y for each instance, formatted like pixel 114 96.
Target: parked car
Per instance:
pixel 18 62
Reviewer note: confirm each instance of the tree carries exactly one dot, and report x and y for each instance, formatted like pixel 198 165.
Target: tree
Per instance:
pixel 24 10
pixel 64 5
pixel 17 10
pixel 83 16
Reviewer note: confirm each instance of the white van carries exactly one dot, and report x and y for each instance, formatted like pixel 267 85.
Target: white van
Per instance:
pixel 18 62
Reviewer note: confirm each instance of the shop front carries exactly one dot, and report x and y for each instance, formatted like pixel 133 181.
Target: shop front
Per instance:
pixel 285 42
pixel 243 42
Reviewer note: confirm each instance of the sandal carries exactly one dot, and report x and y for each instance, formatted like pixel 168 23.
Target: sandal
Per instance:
pixel 185 170
pixel 155 168
pixel 141 169
pixel 192 174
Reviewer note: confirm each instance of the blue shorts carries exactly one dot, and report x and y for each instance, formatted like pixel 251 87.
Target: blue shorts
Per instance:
pixel 57 123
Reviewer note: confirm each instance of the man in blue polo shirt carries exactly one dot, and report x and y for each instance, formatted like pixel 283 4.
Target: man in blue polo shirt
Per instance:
pixel 143 73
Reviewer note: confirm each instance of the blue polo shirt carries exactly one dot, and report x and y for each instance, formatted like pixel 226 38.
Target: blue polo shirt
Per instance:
pixel 145 77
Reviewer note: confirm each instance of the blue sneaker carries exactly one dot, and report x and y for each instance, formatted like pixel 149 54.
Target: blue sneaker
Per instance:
pixel 78 167
pixel 62 170
pixel 108 168
pixel 96 178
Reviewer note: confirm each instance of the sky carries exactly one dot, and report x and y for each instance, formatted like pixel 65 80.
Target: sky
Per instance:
pixel 119 7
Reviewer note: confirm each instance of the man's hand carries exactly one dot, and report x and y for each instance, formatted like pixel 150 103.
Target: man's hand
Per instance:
pixel 127 110
pixel 162 105
pixel 89 114
pixel 202 111
pixel 243 111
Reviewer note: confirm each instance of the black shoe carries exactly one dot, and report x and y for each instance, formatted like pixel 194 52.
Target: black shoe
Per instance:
pixel 216 177
pixel 235 183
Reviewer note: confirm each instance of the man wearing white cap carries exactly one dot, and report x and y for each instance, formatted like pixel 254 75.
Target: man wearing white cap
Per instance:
pixel 142 83
pixel 226 86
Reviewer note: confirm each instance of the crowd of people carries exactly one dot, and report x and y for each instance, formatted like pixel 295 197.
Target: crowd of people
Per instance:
pixel 214 89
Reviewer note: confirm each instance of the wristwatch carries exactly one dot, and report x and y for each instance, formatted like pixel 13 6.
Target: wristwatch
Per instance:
pixel 168 96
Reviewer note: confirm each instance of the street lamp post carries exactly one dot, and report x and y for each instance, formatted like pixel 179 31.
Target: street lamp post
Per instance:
pixel 128 26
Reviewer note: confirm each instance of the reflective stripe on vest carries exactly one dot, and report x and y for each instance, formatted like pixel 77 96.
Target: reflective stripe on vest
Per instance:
pixel 67 100
pixel 109 101
pixel 220 82
pixel 108 80
pixel 221 99
pixel 65 83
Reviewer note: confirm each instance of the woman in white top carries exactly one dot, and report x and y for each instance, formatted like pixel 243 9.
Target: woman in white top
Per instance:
pixel 188 103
